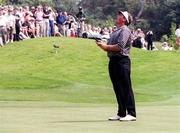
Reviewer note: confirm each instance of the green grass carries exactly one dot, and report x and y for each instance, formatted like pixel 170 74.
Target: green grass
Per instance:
pixel 70 92
pixel 32 71
pixel 55 117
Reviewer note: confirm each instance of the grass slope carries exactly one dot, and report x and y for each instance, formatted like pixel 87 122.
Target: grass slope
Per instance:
pixel 32 71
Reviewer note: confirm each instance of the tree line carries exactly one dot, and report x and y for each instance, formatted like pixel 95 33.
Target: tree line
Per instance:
pixel 155 15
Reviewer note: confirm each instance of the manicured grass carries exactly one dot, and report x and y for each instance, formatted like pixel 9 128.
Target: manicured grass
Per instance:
pixel 32 70
pixel 69 91
pixel 55 117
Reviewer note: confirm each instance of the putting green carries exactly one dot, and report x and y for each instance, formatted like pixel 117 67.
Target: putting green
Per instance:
pixel 57 117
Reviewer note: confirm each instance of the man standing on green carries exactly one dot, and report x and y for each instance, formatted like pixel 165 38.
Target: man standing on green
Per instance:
pixel 118 50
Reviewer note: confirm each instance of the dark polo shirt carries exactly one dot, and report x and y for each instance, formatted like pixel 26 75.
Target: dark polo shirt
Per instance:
pixel 122 37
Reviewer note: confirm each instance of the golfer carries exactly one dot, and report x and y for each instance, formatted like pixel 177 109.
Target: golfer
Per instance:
pixel 118 49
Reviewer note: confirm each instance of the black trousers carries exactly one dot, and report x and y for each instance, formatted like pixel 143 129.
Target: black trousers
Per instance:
pixel 119 71
pixel 150 46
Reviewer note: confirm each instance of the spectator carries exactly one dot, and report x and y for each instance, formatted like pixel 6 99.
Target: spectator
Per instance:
pixel 21 12
pixel 33 10
pixel 3 24
pixel 114 28
pixel 70 26
pixel 51 22
pixel 17 27
pixel 110 30
pixel 39 21
pixel 166 47
pixel 46 15
pixel 149 39
pixel 138 38
pixel 1 42
pixel 80 18
pixel 31 27
pixel 10 25
pixel 177 33
pixel 105 33
pixel 56 30
pixel 61 20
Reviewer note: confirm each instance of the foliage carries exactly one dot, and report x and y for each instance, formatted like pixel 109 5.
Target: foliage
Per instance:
pixel 143 24
pixel 30 2
pixel 109 22
pixel 164 38
pixel 172 37
pixel 66 5
pixel 2 2
pixel 156 15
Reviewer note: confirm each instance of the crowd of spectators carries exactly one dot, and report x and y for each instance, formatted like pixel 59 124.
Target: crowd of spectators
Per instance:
pixel 143 40
pixel 20 23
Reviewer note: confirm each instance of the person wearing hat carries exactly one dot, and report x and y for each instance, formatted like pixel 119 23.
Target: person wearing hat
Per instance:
pixel 118 50
pixel 81 18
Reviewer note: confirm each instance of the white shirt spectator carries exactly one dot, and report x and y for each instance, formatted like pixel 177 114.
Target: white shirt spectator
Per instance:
pixel 52 16
pixel 166 47
pixel 11 20
pixel 3 20
pixel 39 15
pixel 177 33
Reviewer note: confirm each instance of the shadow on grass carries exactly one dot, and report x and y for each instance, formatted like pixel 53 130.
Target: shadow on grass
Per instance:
pixel 80 121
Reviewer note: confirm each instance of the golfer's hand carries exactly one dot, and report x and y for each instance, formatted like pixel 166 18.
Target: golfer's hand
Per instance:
pixel 102 45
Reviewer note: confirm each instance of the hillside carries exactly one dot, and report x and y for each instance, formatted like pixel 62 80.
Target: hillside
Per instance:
pixel 33 70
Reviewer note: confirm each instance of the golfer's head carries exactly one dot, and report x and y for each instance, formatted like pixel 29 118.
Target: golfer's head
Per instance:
pixel 123 18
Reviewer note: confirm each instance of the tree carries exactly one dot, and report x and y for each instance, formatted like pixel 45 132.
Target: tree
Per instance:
pixel 156 15
pixel 142 2
pixel 172 37
pixel 1 1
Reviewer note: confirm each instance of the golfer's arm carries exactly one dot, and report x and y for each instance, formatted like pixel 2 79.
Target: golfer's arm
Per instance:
pixel 113 48
pixel 109 48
